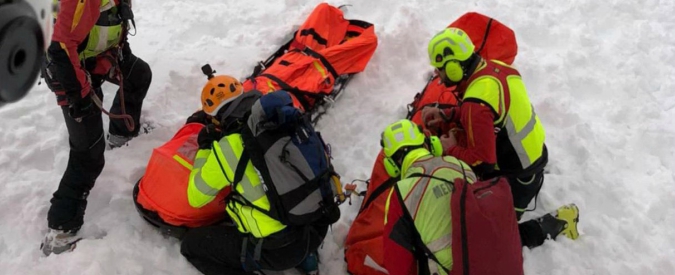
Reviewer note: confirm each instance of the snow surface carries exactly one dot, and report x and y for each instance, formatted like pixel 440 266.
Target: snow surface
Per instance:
pixel 599 73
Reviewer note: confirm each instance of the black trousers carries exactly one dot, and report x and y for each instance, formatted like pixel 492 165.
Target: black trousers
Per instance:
pixel 524 190
pixel 218 249
pixel 87 144
pixel 137 76
pixel 531 234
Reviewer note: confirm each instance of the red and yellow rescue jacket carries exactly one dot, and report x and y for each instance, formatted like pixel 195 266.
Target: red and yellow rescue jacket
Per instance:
pixel 84 31
pixel 503 133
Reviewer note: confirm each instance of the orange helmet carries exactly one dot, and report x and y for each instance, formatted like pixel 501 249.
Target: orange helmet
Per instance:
pixel 219 91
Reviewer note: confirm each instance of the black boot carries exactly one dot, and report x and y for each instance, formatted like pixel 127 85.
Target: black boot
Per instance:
pixel 562 221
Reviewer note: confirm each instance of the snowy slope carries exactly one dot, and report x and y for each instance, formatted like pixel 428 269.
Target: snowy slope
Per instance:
pixel 599 73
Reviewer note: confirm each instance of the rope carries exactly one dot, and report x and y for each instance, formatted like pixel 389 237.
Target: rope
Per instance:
pixel 128 120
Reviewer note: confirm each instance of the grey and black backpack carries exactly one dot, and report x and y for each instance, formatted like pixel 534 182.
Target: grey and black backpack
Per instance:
pixel 293 161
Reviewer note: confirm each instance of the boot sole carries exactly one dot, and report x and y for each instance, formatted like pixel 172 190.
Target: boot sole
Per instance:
pixel 576 222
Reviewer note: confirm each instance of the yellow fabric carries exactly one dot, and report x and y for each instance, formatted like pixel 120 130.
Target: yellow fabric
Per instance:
pixel 214 170
pixel 180 160
pixel 489 90
pixel 65 49
pixel 516 116
pixel 319 68
pixel 79 9
pixel 520 113
pixel 269 84
pixel 196 198
pixel 428 201
pixel 412 157
pixel 101 39
pixel 386 204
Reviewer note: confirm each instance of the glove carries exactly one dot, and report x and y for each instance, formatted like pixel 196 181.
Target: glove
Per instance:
pixel 80 107
pixel 198 117
pixel 208 135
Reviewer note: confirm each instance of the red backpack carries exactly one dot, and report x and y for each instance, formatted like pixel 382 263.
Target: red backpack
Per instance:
pixel 487 241
pixel 363 246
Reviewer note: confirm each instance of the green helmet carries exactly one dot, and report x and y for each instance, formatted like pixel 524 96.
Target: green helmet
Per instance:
pixel 402 133
pixel 450 44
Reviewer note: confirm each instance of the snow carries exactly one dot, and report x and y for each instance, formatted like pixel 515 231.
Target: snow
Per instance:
pixel 599 74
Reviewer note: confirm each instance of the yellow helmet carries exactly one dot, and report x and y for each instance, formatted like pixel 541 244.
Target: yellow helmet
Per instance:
pixel 403 133
pixel 447 49
pixel 450 44
pixel 218 91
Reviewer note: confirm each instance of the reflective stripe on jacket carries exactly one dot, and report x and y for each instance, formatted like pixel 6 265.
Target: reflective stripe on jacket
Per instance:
pixel 106 32
pixel 426 192
pixel 214 170
pixel 496 107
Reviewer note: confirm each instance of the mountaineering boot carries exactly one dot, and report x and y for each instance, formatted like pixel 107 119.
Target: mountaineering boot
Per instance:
pixel 562 221
pixel 116 141
pixel 58 241
pixel 310 265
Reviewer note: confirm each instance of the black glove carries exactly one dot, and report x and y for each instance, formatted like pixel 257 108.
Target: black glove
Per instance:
pixel 198 117
pixel 208 135
pixel 80 107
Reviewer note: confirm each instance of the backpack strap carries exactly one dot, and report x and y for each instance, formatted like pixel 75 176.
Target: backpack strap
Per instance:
pixel 378 191
pixel 422 175
pixel 311 184
pixel 308 51
pixel 425 253
pixel 422 252
pixel 238 176
pixel 299 94
pixel 241 168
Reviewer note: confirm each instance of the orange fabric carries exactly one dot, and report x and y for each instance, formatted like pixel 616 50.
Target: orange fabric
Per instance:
pixel 365 234
pixel 163 188
pixel 364 239
pixel 345 46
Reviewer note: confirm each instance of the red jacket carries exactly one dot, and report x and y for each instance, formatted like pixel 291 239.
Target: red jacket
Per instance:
pixel 480 150
pixel 74 21
pixel 488 145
